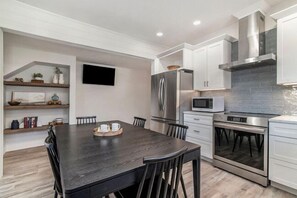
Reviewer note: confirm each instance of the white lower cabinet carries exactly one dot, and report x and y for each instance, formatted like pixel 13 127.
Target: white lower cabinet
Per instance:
pixel 283 154
pixel 206 147
pixel 283 173
pixel 284 149
pixel 200 131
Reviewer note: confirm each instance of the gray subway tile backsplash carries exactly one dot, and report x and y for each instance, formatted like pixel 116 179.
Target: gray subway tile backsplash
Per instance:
pixel 256 91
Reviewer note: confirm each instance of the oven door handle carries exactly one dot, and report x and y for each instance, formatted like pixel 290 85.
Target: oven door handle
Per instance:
pixel 239 127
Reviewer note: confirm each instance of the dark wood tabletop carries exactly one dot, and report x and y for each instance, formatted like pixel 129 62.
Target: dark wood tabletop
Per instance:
pixel 96 166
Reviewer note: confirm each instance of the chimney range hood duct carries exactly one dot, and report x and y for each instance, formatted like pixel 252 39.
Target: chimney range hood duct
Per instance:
pixel 251 44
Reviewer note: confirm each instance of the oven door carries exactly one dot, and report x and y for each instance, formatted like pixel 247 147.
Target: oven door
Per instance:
pixel 242 146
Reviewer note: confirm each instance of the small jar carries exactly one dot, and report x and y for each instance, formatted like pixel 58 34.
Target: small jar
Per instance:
pixel 15 124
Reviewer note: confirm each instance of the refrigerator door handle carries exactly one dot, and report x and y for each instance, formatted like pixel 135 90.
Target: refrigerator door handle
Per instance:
pixel 162 93
pixel 159 94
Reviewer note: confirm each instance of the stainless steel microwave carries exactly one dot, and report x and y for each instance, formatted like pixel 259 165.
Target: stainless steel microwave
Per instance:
pixel 208 104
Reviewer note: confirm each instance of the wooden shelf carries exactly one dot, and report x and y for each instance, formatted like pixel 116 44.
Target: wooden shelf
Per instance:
pixel 24 130
pixel 30 84
pixel 24 107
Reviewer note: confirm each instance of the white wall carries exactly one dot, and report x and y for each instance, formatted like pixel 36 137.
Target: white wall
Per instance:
pixel 17 53
pixel 129 97
pixel 1 102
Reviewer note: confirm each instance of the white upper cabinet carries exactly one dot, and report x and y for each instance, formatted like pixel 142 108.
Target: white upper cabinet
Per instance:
pixel 286 50
pixel 200 73
pixel 206 61
pixel 179 55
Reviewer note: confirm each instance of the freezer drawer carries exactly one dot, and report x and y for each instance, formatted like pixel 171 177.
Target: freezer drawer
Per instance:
pixel 159 125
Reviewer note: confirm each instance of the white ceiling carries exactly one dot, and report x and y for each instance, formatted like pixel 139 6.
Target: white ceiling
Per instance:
pixel 143 18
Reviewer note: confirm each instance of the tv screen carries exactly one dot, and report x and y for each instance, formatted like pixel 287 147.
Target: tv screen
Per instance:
pixel 98 75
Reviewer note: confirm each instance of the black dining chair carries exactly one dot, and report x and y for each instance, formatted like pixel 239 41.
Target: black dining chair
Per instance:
pixel 86 120
pixel 138 121
pixel 241 135
pixel 178 131
pixel 52 134
pixel 51 146
pixel 54 162
pixel 160 178
pixel 219 135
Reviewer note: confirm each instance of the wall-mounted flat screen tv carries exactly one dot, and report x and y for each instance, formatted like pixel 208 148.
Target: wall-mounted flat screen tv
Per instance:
pixel 98 75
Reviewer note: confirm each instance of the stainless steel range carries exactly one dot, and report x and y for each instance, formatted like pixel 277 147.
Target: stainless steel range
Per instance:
pixel 241 144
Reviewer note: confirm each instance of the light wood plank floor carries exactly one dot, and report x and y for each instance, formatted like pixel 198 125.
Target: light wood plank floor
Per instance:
pixel 27 173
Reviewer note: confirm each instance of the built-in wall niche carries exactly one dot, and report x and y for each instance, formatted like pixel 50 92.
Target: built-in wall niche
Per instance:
pixel 45 113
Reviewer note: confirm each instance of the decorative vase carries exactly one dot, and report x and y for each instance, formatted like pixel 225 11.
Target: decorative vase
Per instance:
pixel 15 124
pixel 61 79
pixel 55 97
pixel 55 79
pixel 22 125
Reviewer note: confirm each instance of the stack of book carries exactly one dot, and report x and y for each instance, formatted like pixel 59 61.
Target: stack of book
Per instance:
pixel 30 122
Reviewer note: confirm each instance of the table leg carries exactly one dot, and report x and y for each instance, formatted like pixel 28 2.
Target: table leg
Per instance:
pixel 196 177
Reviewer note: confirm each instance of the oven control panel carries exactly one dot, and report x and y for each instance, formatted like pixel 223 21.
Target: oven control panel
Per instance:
pixel 236 119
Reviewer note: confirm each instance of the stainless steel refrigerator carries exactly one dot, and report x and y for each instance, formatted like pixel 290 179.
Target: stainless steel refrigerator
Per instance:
pixel 171 94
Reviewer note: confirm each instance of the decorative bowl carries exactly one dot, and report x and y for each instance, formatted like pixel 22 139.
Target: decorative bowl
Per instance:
pixel 14 103
pixel 173 67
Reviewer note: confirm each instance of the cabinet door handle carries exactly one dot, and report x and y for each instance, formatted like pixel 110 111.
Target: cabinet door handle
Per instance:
pixel 207 83
pixel 196 131
pixel 196 119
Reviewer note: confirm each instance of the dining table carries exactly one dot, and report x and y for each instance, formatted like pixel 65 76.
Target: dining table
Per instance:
pixel 92 166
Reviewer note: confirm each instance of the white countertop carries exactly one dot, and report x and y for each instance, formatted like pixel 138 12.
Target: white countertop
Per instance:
pixel 285 119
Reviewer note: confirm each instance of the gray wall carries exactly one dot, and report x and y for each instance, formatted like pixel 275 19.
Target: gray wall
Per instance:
pixel 255 90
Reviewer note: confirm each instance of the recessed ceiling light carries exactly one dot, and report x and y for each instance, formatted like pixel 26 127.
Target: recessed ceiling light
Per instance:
pixel 159 34
pixel 197 22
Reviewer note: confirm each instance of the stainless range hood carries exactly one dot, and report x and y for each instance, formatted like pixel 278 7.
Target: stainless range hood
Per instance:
pixel 251 44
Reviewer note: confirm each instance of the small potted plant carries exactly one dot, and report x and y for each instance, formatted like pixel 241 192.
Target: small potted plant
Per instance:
pixel 37 76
